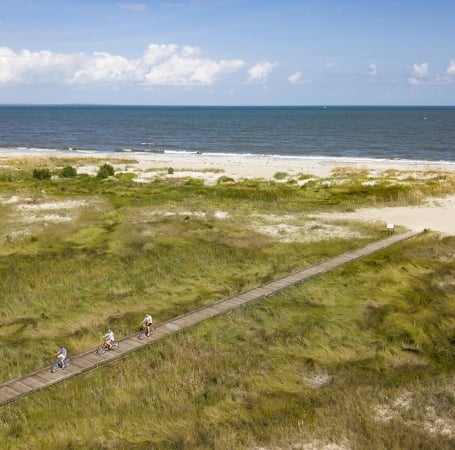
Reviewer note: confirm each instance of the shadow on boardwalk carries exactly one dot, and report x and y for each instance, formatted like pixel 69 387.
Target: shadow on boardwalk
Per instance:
pixel 12 390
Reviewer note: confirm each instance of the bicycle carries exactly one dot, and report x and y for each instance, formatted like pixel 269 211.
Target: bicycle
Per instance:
pixel 143 331
pixel 105 347
pixel 59 364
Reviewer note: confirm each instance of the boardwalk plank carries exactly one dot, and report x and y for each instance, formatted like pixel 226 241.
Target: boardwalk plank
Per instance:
pixel 42 377
pixel 9 393
pixel 234 302
pixel 130 343
pixel 172 326
pixel 80 364
pixel 32 382
pixel 5 397
pixel 222 307
pixel 92 358
pixel 183 322
pixel 244 298
pixel 18 387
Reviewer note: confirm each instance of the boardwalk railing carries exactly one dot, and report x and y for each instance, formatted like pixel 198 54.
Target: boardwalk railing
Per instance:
pixel 14 389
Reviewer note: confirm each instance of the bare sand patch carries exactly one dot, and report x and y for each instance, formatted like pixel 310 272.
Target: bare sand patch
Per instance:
pixel 288 228
pixel 61 205
pixel 28 216
pixel 436 215
pixel 438 421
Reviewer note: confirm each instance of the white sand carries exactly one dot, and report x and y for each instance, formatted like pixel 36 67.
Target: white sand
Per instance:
pixel 437 214
pixel 266 166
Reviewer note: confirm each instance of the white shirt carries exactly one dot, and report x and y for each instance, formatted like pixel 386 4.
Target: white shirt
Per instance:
pixel 109 336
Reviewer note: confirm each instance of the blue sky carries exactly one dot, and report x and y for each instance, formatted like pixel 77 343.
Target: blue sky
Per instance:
pixel 228 52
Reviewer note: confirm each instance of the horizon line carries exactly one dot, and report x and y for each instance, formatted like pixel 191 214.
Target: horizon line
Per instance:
pixel 321 105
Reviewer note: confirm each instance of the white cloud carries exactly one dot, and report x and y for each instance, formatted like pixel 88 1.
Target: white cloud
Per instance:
pixel 103 67
pixel 420 70
pixel 156 53
pixel 296 78
pixel 133 6
pixel 372 70
pixel 420 74
pixel 261 71
pixel 27 67
pixel 451 69
pixel 330 65
pixel 165 64
pixel 185 69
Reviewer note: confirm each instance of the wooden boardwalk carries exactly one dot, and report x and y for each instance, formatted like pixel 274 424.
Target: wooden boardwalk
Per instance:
pixel 12 390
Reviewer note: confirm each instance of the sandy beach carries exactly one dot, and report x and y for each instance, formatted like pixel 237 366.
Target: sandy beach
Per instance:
pixel 239 167
pixel 436 214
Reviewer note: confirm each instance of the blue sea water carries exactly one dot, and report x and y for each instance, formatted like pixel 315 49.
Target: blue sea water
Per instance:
pixel 415 133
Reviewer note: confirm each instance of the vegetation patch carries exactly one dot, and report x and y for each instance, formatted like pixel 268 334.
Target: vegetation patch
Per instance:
pixel 361 357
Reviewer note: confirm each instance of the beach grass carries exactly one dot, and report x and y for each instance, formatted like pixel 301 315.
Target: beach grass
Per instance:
pixel 362 357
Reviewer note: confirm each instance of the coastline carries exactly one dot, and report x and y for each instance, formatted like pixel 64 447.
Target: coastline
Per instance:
pixel 244 166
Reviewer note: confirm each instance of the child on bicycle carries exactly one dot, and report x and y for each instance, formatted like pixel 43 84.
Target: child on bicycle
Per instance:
pixel 147 324
pixel 61 356
pixel 109 339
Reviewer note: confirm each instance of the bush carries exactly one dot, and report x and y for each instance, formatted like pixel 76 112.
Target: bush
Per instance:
pixel 106 170
pixel 194 182
pixel 170 171
pixel 68 172
pixel 225 179
pixel 280 175
pixel 41 174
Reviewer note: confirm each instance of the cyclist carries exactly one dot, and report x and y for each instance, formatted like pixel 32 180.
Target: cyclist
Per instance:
pixel 61 356
pixel 108 339
pixel 147 324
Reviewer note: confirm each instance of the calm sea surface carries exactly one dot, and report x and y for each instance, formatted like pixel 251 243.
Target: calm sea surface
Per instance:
pixel 417 133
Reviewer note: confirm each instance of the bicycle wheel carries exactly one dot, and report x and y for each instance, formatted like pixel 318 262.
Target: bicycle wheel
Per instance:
pixel 115 345
pixel 142 335
pixel 101 349
pixel 54 368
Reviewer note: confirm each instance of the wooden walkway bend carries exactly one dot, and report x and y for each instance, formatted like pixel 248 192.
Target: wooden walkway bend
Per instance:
pixel 14 389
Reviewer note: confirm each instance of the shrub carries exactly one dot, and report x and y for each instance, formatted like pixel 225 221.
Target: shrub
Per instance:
pixel 280 175
pixel 170 171
pixel 225 179
pixel 105 171
pixel 68 172
pixel 41 174
pixel 194 182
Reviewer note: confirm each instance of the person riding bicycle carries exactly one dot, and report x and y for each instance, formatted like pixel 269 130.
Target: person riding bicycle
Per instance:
pixel 61 356
pixel 109 339
pixel 147 324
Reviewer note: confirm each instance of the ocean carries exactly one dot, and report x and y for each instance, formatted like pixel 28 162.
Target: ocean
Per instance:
pixel 409 133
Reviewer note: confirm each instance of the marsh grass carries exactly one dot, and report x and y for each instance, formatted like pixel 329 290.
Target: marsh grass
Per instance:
pixel 317 364
pixel 241 380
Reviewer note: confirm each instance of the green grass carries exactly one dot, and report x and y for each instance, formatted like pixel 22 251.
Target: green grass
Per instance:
pixel 379 332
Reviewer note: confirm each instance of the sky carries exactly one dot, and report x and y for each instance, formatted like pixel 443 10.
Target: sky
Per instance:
pixel 227 52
